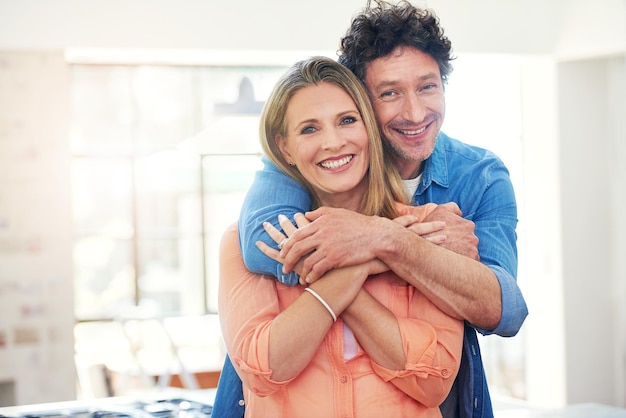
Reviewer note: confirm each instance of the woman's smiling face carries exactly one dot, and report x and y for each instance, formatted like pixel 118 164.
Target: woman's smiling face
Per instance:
pixel 327 141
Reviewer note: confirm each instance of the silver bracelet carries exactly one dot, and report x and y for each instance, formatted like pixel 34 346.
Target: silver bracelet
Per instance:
pixel 323 302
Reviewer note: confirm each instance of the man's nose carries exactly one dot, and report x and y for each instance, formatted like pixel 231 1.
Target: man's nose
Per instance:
pixel 413 109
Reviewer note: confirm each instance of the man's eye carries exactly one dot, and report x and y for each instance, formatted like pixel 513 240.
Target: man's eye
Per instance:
pixel 389 95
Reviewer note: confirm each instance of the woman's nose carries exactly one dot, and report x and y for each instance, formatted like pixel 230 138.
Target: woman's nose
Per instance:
pixel 333 139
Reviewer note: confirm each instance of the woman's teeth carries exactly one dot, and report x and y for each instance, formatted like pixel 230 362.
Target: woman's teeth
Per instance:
pixel 336 163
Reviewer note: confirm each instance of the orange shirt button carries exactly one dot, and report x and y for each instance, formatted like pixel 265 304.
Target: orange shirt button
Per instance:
pixel 344 379
pixel 445 372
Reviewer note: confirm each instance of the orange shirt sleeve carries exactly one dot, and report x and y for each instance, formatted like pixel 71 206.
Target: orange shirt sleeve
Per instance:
pixel 433 343
pixel 247 304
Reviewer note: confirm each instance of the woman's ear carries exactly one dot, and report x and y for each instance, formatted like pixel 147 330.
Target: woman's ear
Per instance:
pixel 282 146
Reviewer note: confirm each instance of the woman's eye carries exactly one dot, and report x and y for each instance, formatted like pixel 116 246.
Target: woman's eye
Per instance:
pixel 348 120
pixel 307 130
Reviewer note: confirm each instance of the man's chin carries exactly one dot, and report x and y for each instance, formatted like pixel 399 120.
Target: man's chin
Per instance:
pixel 412 153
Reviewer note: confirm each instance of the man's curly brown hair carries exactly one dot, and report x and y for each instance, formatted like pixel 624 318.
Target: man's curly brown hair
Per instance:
pixel 381 28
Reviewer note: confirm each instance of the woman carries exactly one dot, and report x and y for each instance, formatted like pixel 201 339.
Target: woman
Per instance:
pixel 358 341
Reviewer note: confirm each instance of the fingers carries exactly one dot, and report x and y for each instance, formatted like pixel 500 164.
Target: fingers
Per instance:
pixel 274 233
pixel 288 228
pixel 437 239
pixel 301 220
pixel 426 228
pixel 286 225
pixel 452 207
pixel 406 220
pixel 269 251
pixel 311 216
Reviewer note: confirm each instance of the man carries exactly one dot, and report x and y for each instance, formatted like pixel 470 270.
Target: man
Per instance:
pixel 402 57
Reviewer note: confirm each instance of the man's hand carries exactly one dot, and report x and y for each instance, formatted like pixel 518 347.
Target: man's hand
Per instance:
pixel 281 238
pixel 330 238
pixel 460 236
pixel 334 238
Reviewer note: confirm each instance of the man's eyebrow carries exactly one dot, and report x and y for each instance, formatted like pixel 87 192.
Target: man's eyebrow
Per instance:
pixel 391 83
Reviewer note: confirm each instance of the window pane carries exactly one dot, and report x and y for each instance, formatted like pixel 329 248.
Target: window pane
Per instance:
pixel 102 110
pixel 138 136
pixel 165 103
pixel 227 179
pixel 103 276
pixel 170 282
pixel 103 266
pixel 170 276
pixel 102 190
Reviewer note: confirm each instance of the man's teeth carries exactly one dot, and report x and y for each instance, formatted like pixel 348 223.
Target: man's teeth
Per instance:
pixel 336 163
pixel 417 132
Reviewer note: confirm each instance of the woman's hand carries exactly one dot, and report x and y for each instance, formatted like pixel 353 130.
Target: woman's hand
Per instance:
pixel 280 238
pixel 431 231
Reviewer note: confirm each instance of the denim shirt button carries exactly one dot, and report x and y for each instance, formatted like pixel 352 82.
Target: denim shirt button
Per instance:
pixel 242 402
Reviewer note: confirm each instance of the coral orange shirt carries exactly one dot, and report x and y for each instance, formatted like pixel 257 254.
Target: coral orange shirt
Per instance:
pixel 331 386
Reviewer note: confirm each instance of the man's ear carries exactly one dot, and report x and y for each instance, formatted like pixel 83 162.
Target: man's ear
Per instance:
pixel 281 142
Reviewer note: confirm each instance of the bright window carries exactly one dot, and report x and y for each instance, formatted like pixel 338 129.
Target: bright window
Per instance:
pixel 162 157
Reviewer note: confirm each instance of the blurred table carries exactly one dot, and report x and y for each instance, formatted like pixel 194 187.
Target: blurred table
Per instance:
pixel 169 403
pixel 80 409
pixel 586 410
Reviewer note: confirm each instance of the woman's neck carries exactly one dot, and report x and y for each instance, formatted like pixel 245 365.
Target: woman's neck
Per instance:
pixel 351 200
pixel 340 200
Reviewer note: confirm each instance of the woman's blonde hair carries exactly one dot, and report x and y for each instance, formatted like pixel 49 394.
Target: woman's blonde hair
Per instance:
pixel 385 186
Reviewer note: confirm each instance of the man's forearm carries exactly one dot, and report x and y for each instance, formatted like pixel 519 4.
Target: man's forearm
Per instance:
pixel 463 288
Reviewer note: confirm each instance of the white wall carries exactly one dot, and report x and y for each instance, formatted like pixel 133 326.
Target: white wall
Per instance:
pixel 36 297
pixel 591 103
pixel 489 26
pixel 573 134
pixel 540 213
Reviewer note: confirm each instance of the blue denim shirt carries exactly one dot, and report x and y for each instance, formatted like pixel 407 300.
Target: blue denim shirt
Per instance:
pixel 477 181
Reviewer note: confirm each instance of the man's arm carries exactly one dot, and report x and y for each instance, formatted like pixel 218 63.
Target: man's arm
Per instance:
pixel 485 294
pixel 460 286
pixel 272 193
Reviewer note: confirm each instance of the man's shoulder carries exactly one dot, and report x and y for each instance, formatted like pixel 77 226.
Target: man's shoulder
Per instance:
pixel 455 148
pixel 456 162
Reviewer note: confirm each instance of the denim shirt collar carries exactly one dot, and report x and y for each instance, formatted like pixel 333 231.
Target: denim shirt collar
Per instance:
pixel 435 166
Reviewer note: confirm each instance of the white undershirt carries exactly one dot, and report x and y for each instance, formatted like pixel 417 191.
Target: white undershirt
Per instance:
pixel 410 186
pixel 349 343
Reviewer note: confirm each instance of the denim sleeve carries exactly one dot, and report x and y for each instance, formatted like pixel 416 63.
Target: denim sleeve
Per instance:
pixel 496 220
pixel 272 193
pixel 229 401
